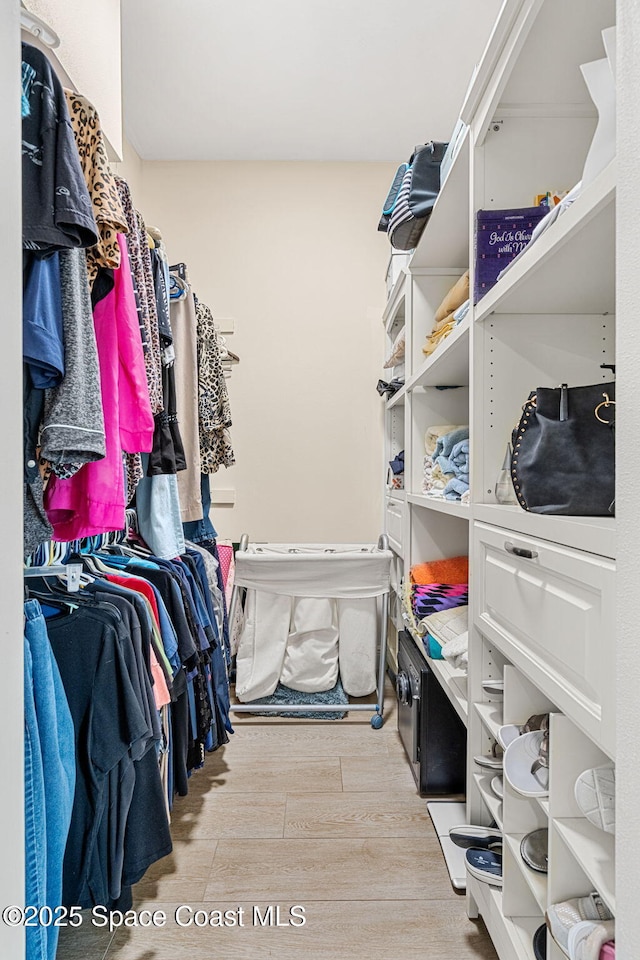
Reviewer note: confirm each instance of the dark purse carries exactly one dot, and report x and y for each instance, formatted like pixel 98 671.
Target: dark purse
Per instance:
pixel 564 451
pixel 392 196
pixel 412 195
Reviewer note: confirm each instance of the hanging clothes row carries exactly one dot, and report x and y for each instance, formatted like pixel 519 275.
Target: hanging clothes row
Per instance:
pixel 126 686
pixel 124 389
pixel 125 405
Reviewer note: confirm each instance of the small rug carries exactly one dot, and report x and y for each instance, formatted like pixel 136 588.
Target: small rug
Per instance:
pixel 285 695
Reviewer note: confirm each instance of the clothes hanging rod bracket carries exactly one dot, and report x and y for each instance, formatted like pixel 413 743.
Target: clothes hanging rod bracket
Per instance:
pixel 71 571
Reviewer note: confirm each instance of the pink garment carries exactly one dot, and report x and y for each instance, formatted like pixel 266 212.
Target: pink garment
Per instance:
pixel 227 567
pixel 93 501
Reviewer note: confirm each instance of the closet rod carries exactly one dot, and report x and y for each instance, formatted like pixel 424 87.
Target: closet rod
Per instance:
pixel 71 571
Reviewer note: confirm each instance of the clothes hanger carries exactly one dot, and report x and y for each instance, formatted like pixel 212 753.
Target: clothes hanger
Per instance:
pixel 38 28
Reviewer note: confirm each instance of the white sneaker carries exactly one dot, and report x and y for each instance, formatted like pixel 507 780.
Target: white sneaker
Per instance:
pixel 595 793
pixel 561 917
pixel 586 939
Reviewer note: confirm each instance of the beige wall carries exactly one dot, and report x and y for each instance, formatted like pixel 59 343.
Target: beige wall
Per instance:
pixel 290 252
pixel 131 168
pixel 93 68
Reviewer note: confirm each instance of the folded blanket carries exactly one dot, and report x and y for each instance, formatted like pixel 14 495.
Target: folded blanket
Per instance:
pixel 457 463
pixel 433 479
pixel 433 597
pixel 448 624
pixel 446 443
pixel 451 469
pixel 436 338
pixel 455 488
pixel 451 570
pixel 456 651
pixel 462 311
pixel 439 480
pixel 455 297
pixel 460 456
pixel 433 433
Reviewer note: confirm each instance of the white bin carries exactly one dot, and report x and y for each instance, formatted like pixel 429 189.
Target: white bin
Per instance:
pixel 311 611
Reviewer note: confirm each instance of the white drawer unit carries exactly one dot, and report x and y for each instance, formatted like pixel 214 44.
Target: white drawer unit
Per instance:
pixel 548 609
pixel 394 524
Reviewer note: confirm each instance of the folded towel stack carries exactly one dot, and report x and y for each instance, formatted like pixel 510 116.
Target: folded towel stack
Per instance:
pixel 452 570
pixel 428 598
pixel 448 314
pixel 446 635
pixel 446 465
pixel 437 585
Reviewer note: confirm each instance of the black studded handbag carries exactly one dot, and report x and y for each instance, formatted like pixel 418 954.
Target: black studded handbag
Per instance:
pixel 564 451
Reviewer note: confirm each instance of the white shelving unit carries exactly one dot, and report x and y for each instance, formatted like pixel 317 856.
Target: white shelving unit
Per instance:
pixel 544 625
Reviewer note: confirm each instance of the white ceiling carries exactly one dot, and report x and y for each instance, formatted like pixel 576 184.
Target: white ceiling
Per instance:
pixel 296 79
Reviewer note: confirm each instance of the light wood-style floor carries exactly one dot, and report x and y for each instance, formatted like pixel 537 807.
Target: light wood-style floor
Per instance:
pixel 320 814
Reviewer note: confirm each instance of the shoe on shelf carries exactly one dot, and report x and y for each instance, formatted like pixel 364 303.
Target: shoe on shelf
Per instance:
pixel 540 943
pixel 493 759
pixel 482 838
pixel 562 916
pixel 487 760
pixel 586 939
pixel 608 951
pixel 497 786
pixel 485 865
pixel 534 850
pixel 595 793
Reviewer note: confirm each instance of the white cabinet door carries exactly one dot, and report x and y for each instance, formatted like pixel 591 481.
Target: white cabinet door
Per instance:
pixel 550 610
pixel 394 524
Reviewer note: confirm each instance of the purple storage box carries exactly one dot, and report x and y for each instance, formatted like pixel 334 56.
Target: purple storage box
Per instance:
pixel 500 236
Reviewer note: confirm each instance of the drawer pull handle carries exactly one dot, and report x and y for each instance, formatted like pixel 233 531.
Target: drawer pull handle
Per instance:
pixel 520 551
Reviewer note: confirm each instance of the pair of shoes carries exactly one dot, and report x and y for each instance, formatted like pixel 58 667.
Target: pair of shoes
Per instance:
pixel 581 926
pixel 595 792
pixel 483 855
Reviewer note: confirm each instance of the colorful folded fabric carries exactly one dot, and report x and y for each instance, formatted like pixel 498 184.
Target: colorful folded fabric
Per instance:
pixel 452 570
pixel 434 597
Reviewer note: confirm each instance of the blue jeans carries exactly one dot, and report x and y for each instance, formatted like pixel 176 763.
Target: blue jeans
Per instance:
pixel 50 777
pixel 199 530
pixel 159 518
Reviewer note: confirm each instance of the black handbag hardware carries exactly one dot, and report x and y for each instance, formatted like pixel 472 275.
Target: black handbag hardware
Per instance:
pixel 605 403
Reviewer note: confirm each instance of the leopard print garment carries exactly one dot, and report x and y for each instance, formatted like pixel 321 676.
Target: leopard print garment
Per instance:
pixel 145 295
pixel 107 208
pixel 213 399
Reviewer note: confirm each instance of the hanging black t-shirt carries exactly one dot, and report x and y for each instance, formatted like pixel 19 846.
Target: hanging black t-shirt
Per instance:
pixel 56 206
pixel 134 828
pixel 107 719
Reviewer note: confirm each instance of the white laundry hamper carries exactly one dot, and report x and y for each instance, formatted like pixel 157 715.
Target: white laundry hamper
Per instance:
pixel 313 612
